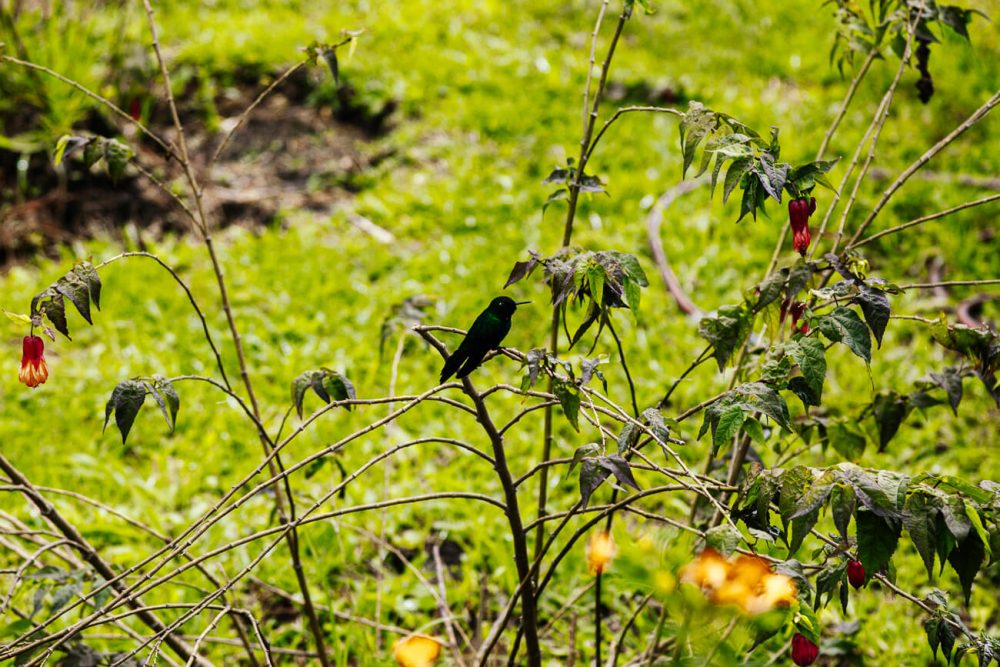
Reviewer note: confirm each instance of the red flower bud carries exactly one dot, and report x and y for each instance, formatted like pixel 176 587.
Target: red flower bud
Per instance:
pixel 34 370
pixel 856 573
pixel 799 211
pixel 804 652
pixel 796 310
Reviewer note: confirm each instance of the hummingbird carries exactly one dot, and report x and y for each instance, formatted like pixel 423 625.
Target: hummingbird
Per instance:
pixel 484 335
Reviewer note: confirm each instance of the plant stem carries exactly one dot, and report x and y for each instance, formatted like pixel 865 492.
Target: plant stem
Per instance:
pixel 274 463
pixel 590 121
pixel 94 559
pixel 974 118
pixel 529 616
pixel 597 621
pixel 921 220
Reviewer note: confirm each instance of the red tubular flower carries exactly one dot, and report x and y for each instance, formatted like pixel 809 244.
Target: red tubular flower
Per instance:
pixel 34 371
pixel 799 211
pixel 804 652
pixel 796 310
pixel 856 574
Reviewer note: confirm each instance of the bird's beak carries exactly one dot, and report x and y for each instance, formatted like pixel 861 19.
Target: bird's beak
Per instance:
pixel 521 303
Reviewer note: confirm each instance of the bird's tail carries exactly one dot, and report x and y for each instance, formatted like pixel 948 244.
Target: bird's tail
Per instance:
pixel 452 364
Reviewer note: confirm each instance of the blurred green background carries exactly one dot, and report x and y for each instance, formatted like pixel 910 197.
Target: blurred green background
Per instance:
pixel 457 110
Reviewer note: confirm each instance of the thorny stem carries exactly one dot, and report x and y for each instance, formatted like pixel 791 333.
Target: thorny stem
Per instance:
pixel 274 465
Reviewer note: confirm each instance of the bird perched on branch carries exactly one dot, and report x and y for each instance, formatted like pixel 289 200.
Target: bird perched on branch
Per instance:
pixel 485 334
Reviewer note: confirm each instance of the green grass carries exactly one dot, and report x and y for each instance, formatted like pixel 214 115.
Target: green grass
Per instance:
pixel 491 102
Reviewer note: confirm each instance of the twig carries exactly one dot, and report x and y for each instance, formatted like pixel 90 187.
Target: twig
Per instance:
pixel 976 116
pixel 921 220
pixel 653 222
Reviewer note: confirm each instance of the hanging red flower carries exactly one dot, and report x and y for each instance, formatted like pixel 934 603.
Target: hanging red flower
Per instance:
pixel 799 211
pixel 34 370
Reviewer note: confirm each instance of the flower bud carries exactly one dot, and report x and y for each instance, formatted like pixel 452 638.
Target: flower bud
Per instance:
pixel 804 652
pixel 799 211
pixel 856 573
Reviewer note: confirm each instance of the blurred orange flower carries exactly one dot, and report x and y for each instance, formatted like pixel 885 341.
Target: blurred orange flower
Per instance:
pixel 416 651
pixel 601 551
pixel 746 582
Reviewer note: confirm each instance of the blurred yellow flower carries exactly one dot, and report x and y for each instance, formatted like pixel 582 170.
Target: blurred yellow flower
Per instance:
pixel 708 571
pixel 746 582
pixel 416 651
pixel 601 551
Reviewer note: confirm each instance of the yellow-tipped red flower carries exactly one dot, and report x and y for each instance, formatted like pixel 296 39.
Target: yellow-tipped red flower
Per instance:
pixel 416 651
pixel 747 582
pixel 34 370
pixel 601 551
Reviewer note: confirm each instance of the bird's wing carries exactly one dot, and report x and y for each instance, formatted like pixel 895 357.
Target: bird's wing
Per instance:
pixel 488 330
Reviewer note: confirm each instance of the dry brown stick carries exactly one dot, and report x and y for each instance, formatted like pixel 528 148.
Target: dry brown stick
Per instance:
pixel 653 222
pixel 94 559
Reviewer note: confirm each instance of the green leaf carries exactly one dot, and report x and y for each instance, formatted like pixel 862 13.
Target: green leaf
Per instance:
pixel 619 467
pixel 889 410
pixel 806 510
pixel 737 170
pixel 754 430
pixel 338 386
pixel 827 580
pixel 727 331
pixel 919 519
pixel 55 310
pixel 75 289
pixel 758 396
pixel 628 437
pixel 590 450
pixel 569 400
pixel 592 475
pixel 695 125
pixel 770 290
pixel 93 152
pixel 843 325
pixel 955 518
pixel 125 401
pixel 595 278
pixel 794 483
pixel 875 307
pixel 842 504
pixel 87 273
pixel 116 155
pixel 877 541
pixel 966 559
pixel 727 427
pixel 167 398
pixel 846 440
pixel 328 385
pixel 810 355
pixel 654 420
pixel 977 524
pixel 950 379
pixel 723 538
